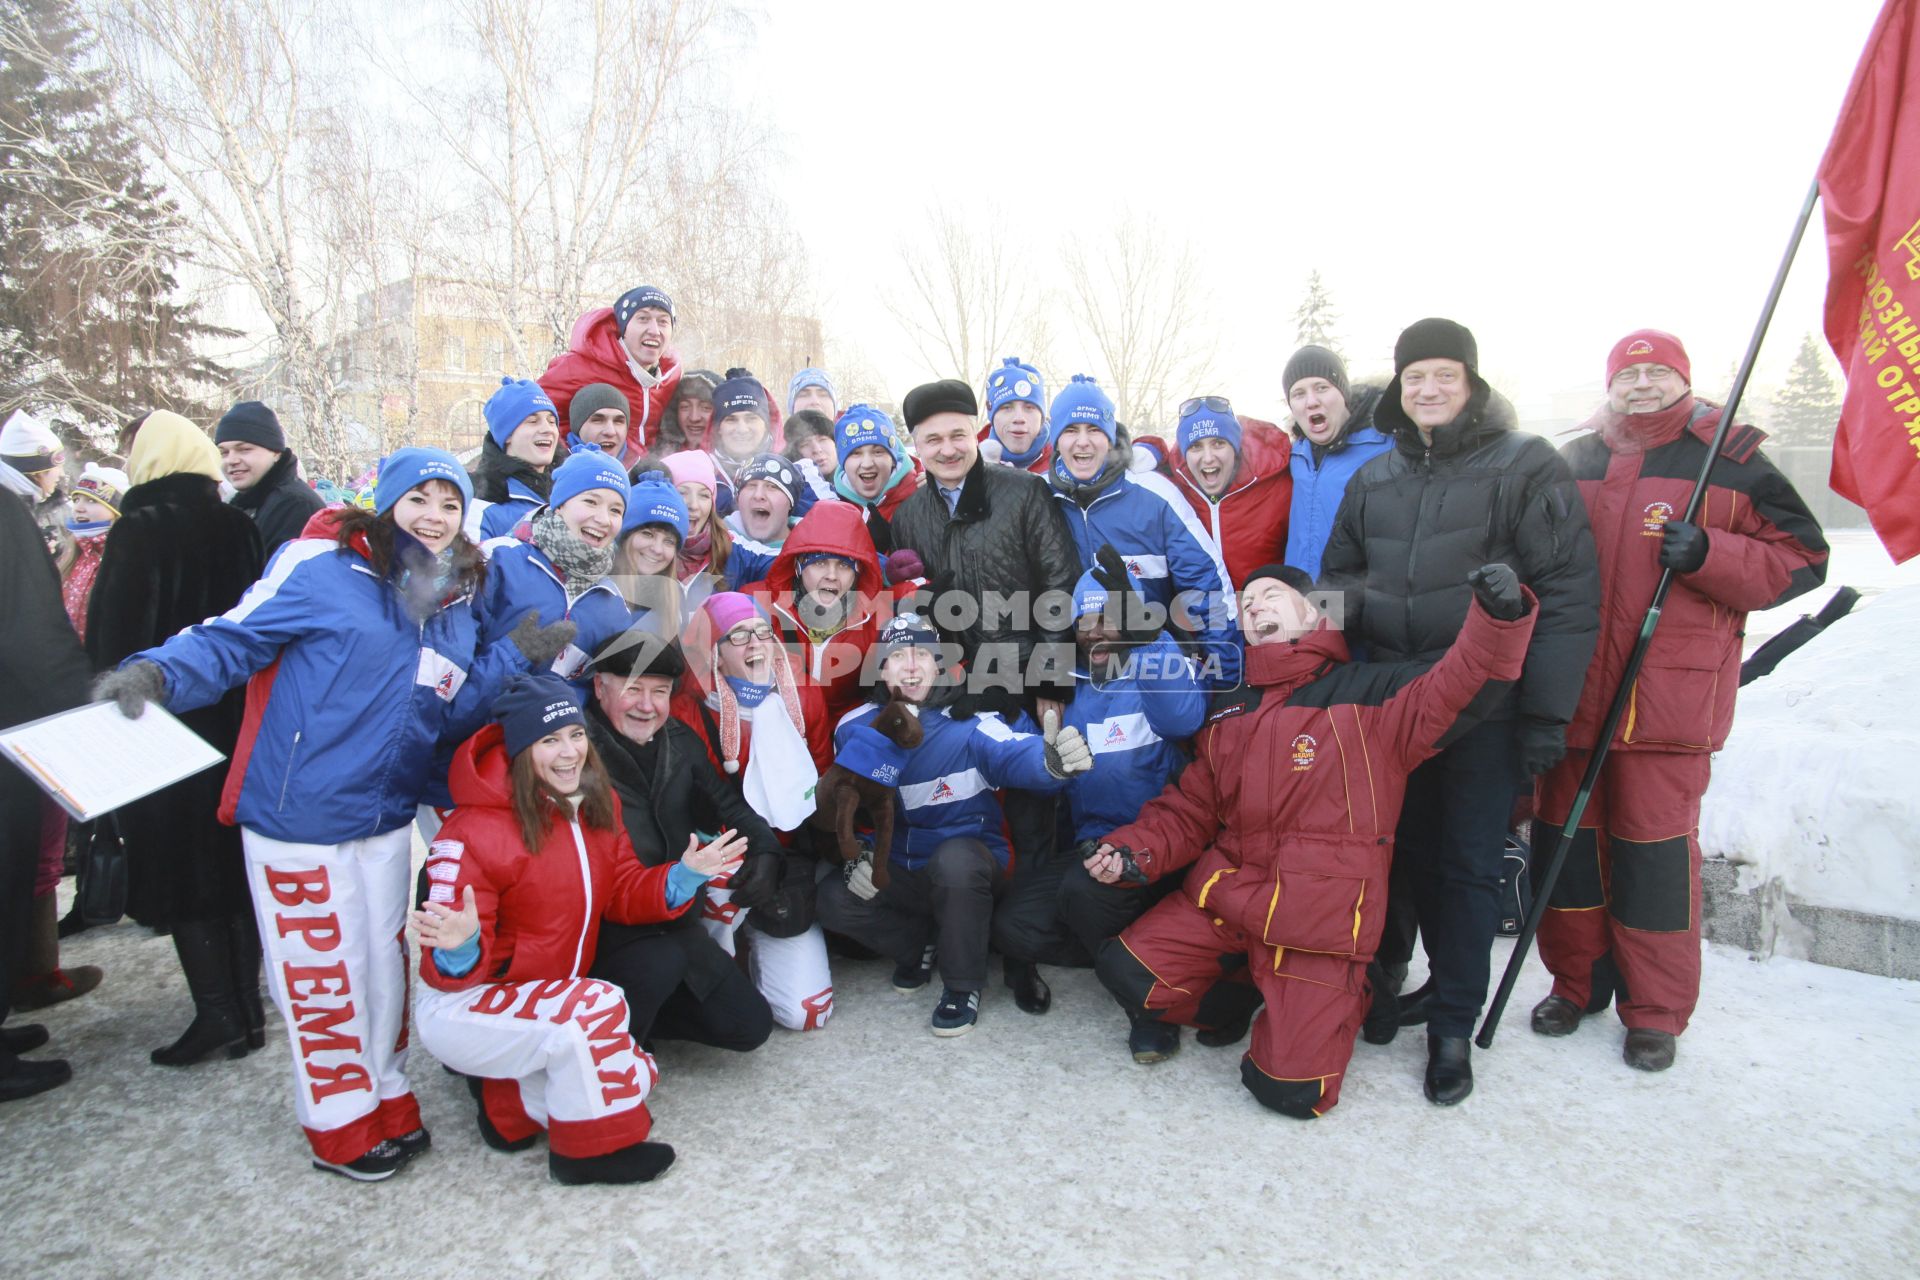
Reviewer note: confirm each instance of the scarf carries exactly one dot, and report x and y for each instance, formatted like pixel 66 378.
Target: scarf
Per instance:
pixel 693 553
pixel 780 777
pixel 1026 459
pixel 423 578
pixel 749 694
pixel 88 528
pixel 166 444
pixel 581 565
pixel 1085 491
pixel 1638 432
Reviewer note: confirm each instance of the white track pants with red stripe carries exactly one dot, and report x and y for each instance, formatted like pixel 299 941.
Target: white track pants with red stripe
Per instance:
pixel 793 975
pixel 556 1055
pixel 333 927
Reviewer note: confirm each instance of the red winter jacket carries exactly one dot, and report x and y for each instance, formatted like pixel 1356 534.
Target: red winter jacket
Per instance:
pixel 1764 548
pixel 540 911
pixel 1249 523
pixel 1286 815
pixel 596 354
pixel 832 662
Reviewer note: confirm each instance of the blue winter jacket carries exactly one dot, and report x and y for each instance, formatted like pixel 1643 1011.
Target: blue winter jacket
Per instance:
pixel 750 560
pixel 520 579
pixel 1317 490
pixel 948 787
pixel 346 745
pixel 1155 531
pixel 1133 723
pixel 500 519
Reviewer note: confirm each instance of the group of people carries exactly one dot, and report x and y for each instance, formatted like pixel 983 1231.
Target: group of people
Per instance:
pixel 691 697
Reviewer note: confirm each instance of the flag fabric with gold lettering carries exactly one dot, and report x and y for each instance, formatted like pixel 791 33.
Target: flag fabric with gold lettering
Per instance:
pixel 1870 189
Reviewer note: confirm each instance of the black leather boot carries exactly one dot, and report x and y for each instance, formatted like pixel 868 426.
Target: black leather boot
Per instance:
pixel 1030 990
pixel 1413 1005
pixel 218 1025
pixel 1382 1022
pixel 1449 1069
pixel 243 951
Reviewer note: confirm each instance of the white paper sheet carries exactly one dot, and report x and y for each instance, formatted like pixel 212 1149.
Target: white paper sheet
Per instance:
pixel 92 760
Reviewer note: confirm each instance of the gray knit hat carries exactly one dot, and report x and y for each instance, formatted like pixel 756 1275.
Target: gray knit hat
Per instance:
pixel 1316 362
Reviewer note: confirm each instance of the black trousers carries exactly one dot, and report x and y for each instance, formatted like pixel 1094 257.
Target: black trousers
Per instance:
pixel 1059 915
pixel 952 895
pixel 652 970
pixel 19 859
pixel 1447 853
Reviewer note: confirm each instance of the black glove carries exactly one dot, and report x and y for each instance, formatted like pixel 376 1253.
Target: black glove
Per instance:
pixel 1130 872
pixel 1683 546
pixel 1110 571
pixel 1543 744
pixel 1497 588
pixel 755 883
pixel 132 687
pixel 541 645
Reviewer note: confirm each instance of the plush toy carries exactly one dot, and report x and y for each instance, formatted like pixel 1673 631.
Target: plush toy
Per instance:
pixel 865 775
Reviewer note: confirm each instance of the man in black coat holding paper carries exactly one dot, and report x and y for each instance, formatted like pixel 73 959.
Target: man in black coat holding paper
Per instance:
pixel 42 671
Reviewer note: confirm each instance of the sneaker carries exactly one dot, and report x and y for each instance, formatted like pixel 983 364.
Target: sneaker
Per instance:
pixel 377 1165
pixel 1153 1041
pixel 911 975
pixel 415 1143
pixel 956 1013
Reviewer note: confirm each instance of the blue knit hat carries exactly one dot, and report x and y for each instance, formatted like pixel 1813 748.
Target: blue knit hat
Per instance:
pixel 810 377
pixel 587 468
pixel 1205 424
pixel 1015 380
pixel 863 424
pixel 1088 596
pixel 1081 400
pixel 905 631
pixel 533 706
pixel 654 500
pixel 406 469
pixel 740 393
pixel 869 753
pixel 632 300
pixel 517 400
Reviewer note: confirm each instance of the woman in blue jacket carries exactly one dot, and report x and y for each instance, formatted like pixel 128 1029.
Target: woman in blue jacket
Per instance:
pixel 366 655
pixel 564 568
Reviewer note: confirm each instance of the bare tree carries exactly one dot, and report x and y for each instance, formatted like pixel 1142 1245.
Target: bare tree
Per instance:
pixel 965 302
pixel 1138 297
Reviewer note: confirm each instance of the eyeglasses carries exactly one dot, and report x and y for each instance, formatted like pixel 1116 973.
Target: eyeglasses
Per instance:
pixel 741 637
pixel 1219 404
pixel 1631 374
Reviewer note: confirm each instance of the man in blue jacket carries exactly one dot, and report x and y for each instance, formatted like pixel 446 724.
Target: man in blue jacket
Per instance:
pixel 1333 437
pixel 1137 699
pixel 950 856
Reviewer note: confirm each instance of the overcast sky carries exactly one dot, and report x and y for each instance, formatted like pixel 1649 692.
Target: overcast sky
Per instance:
pixel 1550 174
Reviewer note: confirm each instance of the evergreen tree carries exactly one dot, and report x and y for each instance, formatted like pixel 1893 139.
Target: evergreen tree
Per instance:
pixel 1315 319
pixel 1807 408
pixel 92 330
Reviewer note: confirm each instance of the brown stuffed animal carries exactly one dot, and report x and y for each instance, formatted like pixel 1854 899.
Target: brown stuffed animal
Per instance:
pixel 866 775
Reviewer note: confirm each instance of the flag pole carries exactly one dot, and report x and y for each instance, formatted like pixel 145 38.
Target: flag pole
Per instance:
pixel 1543 890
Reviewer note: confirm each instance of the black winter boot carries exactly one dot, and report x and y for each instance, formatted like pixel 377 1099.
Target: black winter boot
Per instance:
pixel 641 1162
pixel 218 1025
pixel 1030 990
pixel 1449 1069
pixel 1413 1006
pixel 243 951
pixel 1382 1022
pixel 20 1078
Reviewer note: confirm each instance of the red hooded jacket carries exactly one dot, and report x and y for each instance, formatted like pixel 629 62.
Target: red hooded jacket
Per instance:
pixel 596 354
pixel 1249 523
pixel 1764 547
pixel 1286 815
pixel 540 910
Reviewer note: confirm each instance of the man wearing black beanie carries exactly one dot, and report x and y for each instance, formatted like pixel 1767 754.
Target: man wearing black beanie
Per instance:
pixel 1461 487
pixel 264 473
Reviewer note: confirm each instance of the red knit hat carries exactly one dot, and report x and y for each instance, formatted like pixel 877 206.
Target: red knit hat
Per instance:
pixel 1649 346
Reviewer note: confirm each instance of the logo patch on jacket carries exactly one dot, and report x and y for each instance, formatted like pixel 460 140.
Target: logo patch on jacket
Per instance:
pixel 1304 749
pixel 1116 736
pixel 439 673
pixel 941 791
pixel 1653 521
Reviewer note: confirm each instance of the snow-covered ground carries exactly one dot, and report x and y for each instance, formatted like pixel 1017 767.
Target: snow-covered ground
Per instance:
pixel 1786 1142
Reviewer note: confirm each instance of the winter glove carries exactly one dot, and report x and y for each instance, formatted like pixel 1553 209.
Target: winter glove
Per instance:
pixel 1543 744
pixel 1683 546
pixel 859 878
pixel 541 645
pixel 755 883
pixel 1067 752
pixel 1110 571
pixel 995 700
pixel 132 687
pixel 1497 588
pixel 904 566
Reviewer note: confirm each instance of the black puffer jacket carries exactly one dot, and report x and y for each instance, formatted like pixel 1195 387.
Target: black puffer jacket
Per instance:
pixel 1007 536
pixel 281 504
pixel 495 466
pixel 1418 518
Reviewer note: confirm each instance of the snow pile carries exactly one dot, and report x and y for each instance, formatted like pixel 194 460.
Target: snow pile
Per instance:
pixel 1815 788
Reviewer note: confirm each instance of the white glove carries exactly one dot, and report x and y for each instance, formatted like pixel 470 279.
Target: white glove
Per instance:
pixel 860 879
pixel 1067 752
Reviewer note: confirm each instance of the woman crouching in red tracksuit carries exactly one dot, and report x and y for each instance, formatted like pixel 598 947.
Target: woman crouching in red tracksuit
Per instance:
pixel 518 880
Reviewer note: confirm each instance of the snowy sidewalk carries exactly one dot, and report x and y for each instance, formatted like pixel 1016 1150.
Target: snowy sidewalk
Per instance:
pixel 1786 1142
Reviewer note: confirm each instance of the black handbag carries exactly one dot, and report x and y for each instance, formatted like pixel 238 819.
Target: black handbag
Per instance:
pixel 102 897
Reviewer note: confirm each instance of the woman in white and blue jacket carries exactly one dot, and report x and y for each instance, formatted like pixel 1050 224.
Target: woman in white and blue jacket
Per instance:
pixel 950 855
pixel 366 654
pixel 1137 699
pixel 563 568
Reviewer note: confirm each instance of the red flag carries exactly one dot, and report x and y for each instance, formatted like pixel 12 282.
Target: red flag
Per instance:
pixel 1870 188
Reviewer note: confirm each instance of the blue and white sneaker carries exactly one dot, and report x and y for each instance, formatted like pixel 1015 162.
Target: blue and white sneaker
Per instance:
pixel 956 1013
pixel 911 975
